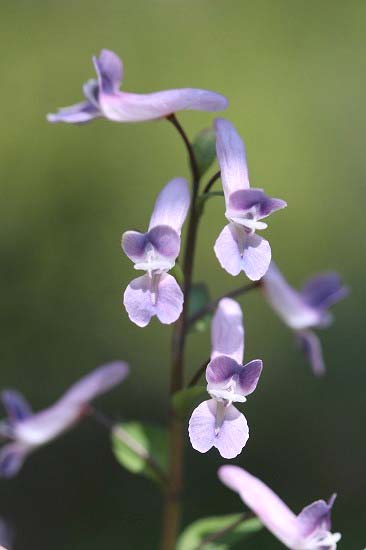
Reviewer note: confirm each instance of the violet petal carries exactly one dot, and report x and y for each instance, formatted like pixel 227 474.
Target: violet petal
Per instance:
pixel 227 330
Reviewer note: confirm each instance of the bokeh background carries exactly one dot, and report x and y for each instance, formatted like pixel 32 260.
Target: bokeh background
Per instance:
pixel 295 75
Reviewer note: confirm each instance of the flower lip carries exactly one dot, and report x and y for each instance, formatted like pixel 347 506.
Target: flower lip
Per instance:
pixel 323 540
pixel 247 206
pixel 153 262
pixel 154 251
pixel 228 381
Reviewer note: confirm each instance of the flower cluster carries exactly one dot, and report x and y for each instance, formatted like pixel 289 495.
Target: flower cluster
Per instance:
pixel 215 422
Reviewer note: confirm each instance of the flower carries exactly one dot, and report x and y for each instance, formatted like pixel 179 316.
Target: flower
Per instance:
pixel 104 98
pixel 216 422
pixel 305 309
pixel 310 530
pixel 238 248
pixel 155 252
pixel 29 430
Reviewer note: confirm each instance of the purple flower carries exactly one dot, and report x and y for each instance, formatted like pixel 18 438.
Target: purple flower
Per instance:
pixel 29 430
pixel 103 98
pixel 310 530
pixel 216 422
pixel 238 248
pixel 155 252
pixel 306 309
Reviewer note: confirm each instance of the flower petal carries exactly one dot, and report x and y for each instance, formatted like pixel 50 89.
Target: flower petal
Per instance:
pixel 138 302
pixel 127 107
pixel 16 405
pixel 255 257
pixel 270 509
pixel 315 516
pixel 12 457
pixel 201 427
pixel 109 70
pixel 270 205
pixel 165 241
pixel 97 382
pixel 75 114
pixel 287 302
pixel 141 305
pixel 249 376
pixel 324 290
pixel 231 156
pixel 311 347
pixel 171 205
pixel 246 199
pixel 227 331
pixel 227 251
pixel 46 425
pixel 220 369
pixel 134 244
pixel 169 304
pixel 42 427
pixel 231 437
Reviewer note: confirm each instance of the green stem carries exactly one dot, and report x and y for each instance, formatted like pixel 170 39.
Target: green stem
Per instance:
pixel 211 306
pixel 210 183
pixel 197 375
pixel 173 493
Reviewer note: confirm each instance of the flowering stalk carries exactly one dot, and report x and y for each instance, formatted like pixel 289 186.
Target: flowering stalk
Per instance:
pixel 172 504
pixel 211 306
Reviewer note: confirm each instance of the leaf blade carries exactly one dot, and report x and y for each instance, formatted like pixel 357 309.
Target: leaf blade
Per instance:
pixel 200 534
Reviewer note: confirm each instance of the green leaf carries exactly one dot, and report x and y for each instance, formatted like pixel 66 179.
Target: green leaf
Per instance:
pixel 141 448
pixel 184 401
pixel 199 297
pixel 204 147
pixel 198 534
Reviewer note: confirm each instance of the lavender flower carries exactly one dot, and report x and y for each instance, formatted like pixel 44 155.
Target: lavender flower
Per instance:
pixel 216 422
pixel 155 252
pixel 306 309
pixel 29 430
pixel 310 530
pixel 238 248
pixel 104 99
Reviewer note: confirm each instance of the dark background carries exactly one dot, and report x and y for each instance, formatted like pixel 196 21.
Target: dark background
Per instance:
pixel 295 76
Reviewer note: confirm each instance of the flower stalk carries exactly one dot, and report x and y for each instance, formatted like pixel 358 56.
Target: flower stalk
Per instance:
pixel 172 503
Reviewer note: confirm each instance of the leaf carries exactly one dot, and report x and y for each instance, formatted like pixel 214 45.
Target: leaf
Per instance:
pixel 204 147
pixel 199 297
pixel 198 534
pixel 184 401
pixel 141 448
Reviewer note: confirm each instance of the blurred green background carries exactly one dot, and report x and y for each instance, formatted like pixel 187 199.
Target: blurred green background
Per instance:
pixel 295 76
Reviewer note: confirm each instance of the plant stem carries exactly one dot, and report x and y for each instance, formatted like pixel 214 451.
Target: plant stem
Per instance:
pixel 173 498
pixel 210 183
pixel 195 378
pixel 211 306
